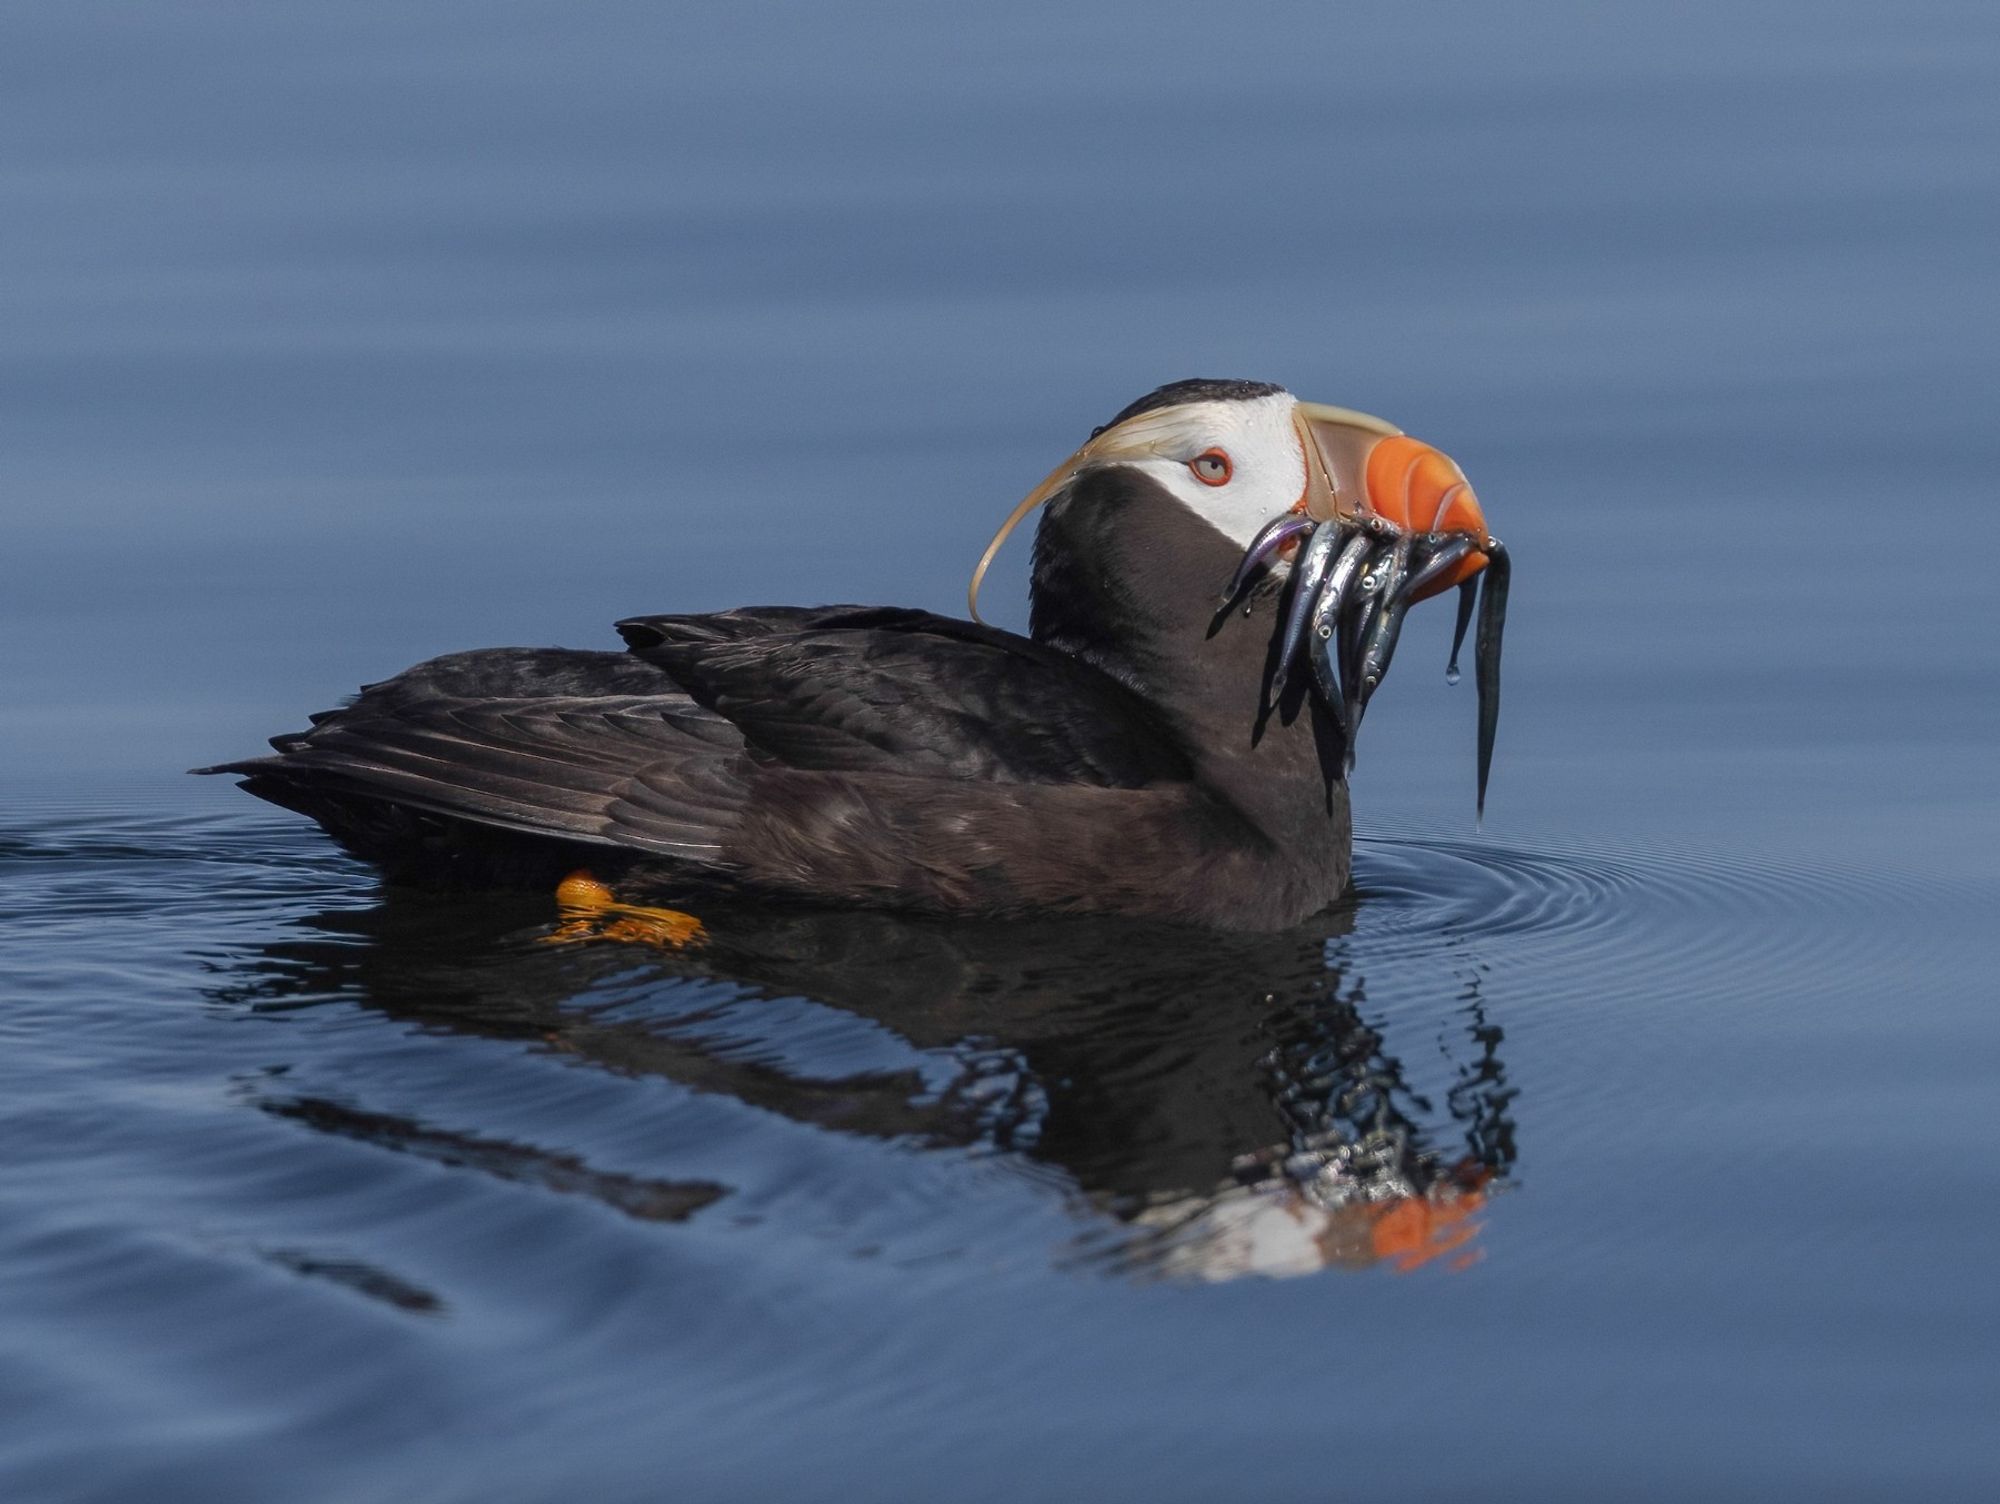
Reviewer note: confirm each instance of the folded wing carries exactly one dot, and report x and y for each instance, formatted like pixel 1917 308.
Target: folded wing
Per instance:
pixel 710 722
pixel 859 690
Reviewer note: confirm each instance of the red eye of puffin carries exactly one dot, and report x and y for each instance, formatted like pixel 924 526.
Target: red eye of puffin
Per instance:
pixel 1211 467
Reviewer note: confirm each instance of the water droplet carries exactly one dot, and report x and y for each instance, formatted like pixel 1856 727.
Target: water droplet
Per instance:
pixel 1451 674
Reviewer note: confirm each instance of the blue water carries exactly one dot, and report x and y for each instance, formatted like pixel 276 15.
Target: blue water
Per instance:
pixel 337 338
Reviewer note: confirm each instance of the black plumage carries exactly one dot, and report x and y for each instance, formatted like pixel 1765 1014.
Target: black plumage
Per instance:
pixel 1122 758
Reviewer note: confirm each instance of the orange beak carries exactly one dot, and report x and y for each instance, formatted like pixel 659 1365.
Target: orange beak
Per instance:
pixel 1359 467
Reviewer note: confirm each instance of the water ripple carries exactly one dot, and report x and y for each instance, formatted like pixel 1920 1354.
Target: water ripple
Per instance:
pixel 1625 921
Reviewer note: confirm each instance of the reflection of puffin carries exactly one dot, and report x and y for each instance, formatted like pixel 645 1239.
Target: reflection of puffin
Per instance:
pixel 1124 759
pixel 1219 1103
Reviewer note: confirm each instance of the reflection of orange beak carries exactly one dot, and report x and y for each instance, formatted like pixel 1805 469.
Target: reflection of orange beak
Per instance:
pixel 1359 467
pixel 1410 1232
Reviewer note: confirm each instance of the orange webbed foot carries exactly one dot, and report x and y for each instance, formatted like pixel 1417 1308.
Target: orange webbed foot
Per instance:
pixel 590 911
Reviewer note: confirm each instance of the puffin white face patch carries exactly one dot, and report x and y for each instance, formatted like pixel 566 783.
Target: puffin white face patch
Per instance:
pixel 1234 464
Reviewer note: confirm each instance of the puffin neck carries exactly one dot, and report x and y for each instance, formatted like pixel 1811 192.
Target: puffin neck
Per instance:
pixel 1125 578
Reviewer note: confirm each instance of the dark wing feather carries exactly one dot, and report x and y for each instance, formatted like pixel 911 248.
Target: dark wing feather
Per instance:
pixel 854 689
pixel 749 622
pixel 543 741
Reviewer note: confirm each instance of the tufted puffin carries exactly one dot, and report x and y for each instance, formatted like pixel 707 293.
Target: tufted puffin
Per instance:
pixel 1140 752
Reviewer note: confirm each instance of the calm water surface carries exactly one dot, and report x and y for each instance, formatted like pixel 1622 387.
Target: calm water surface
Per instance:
pixel 1639 1145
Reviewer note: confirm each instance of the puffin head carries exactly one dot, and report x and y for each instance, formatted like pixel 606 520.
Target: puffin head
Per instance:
pixel 1238 454
pixel 1366 520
